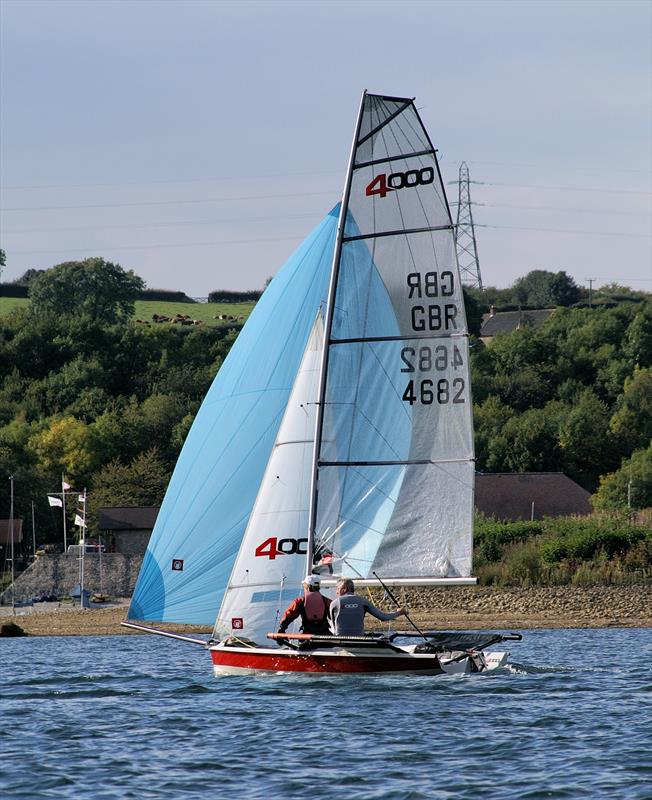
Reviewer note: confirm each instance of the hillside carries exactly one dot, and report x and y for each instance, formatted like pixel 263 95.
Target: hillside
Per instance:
pixel 108 398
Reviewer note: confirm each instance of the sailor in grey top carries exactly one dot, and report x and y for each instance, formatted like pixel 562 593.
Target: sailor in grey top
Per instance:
pixel 348 610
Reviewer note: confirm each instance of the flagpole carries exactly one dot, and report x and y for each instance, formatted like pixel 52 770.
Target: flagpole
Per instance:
pixel 33 531
pixel 63 495
pixel 11 526
pixel 83 551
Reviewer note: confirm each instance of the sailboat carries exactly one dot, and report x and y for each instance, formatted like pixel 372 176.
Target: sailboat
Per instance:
pixel 337 437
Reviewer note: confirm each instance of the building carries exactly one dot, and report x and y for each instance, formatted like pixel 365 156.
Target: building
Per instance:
pixel 127 529
pixel 507 321
pixel 509 496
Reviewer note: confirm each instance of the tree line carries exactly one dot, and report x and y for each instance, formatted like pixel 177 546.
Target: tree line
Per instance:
pixel 88 393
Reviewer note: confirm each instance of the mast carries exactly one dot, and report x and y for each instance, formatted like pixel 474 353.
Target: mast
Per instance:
pixel 328 323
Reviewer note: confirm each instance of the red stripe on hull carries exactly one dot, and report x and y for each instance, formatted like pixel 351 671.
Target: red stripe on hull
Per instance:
pixel 237 659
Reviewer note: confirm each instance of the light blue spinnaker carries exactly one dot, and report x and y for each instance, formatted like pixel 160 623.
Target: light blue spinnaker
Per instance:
pixel 215 482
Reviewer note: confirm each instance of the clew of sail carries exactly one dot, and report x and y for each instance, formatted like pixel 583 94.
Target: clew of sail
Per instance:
pixel 271 563
pixel 395 463
pixel 207 505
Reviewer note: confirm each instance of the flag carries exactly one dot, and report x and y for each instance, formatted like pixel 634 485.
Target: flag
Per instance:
pixel 55 501
pixel 79 521
pixel 66 486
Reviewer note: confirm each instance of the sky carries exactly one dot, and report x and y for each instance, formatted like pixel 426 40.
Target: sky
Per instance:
pixel 198 142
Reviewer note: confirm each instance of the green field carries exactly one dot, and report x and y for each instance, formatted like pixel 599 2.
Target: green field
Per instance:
pixel 7 304
pixel 206 312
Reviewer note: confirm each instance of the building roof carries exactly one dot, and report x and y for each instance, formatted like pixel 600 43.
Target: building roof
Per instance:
pixel 509 496
pixel 507 321
pixel 128 518
pixel 5 531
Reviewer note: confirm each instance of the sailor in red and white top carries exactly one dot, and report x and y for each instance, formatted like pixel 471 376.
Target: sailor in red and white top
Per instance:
pixel 311 606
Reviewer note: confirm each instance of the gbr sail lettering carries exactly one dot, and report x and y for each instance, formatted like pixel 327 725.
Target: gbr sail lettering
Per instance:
pixel 432 316
pixel 435 317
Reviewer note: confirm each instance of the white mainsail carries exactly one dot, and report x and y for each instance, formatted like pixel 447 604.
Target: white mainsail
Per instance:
pixel 271 562
pixel 394 468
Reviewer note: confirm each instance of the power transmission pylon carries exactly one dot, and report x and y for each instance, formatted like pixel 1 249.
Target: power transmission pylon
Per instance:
pixel 467 247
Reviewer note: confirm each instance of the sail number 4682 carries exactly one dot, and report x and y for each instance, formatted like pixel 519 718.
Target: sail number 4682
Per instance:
pixel 383 183
pixel 427 392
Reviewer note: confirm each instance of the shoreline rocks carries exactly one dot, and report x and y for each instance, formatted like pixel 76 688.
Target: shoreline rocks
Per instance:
pixel 450 608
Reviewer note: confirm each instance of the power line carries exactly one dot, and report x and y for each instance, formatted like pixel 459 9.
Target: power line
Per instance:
pixel 239 177
pixel 573 168
pixel 152 246
pixel 270 175
pixel 563 188
pixel 566 230
pixel 286 239
pixel 171 202
pixel 571 209
pixel 237 220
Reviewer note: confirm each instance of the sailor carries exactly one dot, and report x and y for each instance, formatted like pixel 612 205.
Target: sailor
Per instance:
pixel 311 606
pixel 348 610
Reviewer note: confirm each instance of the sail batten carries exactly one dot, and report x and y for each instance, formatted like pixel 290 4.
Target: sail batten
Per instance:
pixel 401 232
pixel 389 159
pixel 392 463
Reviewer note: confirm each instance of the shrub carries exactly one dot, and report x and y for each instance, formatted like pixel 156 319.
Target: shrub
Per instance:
pixel 13 290
pixel 226 296
pixel 164 294
pixel 583 538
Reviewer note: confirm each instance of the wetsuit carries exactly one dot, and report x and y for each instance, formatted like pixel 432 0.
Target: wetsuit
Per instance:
pixel 347 614
pixel 312 607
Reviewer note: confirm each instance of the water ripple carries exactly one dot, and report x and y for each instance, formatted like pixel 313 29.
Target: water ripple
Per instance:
pixel 115 718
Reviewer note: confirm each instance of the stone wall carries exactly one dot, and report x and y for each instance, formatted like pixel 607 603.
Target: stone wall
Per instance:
pixel 131 543
pixel 59 573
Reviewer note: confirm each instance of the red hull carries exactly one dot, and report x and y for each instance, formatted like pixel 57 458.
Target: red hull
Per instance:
pixel 234 660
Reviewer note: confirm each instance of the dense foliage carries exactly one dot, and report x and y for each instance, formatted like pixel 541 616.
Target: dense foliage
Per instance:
pixel 599 549
pixel 90 400
pixel 543 289
pixel 573 396
pixel 87 391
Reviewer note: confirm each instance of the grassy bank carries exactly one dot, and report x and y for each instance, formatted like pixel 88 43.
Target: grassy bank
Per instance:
pixel 206 312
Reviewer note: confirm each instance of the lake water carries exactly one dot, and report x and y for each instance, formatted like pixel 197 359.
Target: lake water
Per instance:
pixel 143 717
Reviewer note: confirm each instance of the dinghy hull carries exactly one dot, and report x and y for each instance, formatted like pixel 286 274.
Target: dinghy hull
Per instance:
pixel 251 660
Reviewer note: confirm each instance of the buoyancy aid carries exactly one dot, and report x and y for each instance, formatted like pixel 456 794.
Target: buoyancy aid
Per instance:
pixel 315 607
pixel 312 607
